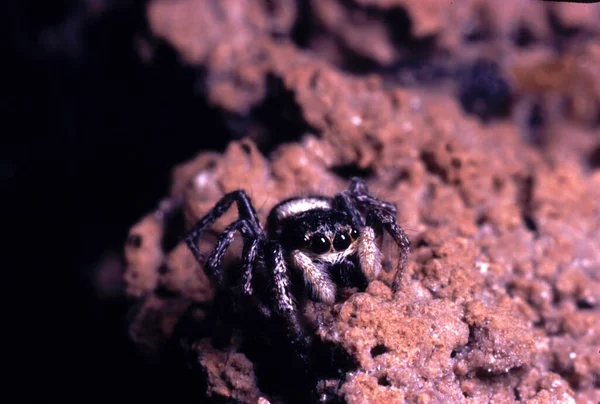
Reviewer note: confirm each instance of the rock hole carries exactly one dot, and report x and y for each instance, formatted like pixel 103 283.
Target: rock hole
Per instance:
pixel 584 304
pixel 483 91
pixel 527 186
pixel 211 165
pixel 379 349
pixel 383 381
pixel 472 338
pixel 486 375
pixel 163 292
pixel 277 119
pixel 174 229
pixel 400 28
pixel 433 166
pixel 498 184
pixel 594 159
pixel 421 242
pixel 348 171
pixel 533 132
pixel 481 220
pixel 479 27
pixel 404 175
pixel 517 394
pixel 395 21
pixel 304 25
pixel 523 36
pixel 562 30
pixel 530 223
pixel 246 148
pixel 334 361
pixel 134 240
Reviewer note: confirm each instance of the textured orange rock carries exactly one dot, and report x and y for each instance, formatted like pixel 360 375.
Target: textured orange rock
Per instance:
pixel 500 298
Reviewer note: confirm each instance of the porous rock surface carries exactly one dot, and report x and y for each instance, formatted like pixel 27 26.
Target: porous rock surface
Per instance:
pixel 500 300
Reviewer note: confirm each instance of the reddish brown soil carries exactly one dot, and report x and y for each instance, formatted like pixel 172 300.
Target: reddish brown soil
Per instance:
pixel 500 301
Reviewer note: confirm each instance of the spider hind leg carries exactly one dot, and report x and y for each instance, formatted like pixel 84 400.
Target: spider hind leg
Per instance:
pixel 213 263
pixel 246 212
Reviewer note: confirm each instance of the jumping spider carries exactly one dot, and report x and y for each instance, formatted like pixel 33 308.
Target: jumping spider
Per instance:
pixel 312 247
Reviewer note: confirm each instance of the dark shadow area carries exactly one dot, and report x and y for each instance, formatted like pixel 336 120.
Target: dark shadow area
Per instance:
pixel 594 159
pixel 277 119
pixel 264 341
pixel 483 91
pixel 96 133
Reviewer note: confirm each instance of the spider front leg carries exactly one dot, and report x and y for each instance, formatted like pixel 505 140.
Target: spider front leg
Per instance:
pixel 284 303
pixel 245 210
pixel 388 221
pixel 356 201
pixel 369 254
pixel 359 191
pixel 316 278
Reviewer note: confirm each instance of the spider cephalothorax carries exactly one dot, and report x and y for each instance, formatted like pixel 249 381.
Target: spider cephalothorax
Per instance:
pixel 324 245
pixel 312 246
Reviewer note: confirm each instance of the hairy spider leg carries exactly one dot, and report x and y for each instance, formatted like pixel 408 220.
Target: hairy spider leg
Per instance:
pixel 359 190
pixel 318 281
pixel 213 263
pixel 252 244
pixel 344 202
pixel 249 252
pixel 384 214
pixel 284 302
pixel 369 255
pixel 388 222
pixel 245 210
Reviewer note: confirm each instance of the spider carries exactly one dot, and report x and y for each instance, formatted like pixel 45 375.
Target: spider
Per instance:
pixel 311 247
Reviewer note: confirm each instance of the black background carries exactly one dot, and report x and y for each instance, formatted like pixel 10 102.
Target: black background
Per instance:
pixel 90 135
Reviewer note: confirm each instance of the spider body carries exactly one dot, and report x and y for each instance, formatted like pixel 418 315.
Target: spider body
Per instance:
pixel 310 247
pixel 321 242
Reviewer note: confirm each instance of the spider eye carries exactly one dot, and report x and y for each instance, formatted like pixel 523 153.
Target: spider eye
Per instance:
pixel 354 234
pixel 341 241
pixel 319 244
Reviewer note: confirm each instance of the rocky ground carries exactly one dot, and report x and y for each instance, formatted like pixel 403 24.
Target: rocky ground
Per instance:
pixel 479 119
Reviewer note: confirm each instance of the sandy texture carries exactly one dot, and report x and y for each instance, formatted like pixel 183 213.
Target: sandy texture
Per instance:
pixel 500 299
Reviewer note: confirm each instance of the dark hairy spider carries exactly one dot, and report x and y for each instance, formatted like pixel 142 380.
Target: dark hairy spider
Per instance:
pixel 312 247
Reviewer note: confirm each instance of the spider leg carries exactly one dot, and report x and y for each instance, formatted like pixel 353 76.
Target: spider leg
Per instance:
pixel 213 263
pixel 345 202
pixel 388 221
pixel 358 189
pixel 252 244
pixel 318 281
pixel 284 300
pixel 369 255
pixel 284 303
pixel 245 209
pixel 249 253
pixel 383 213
